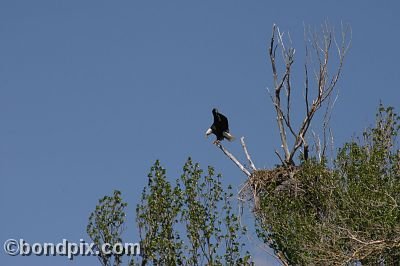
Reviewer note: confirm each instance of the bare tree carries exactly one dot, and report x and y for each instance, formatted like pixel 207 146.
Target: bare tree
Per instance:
pixel 323 85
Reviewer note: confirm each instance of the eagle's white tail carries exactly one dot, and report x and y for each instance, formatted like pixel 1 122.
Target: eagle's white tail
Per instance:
pixel 228 136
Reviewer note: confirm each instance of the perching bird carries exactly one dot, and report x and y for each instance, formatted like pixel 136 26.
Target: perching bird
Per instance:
pixel 220 127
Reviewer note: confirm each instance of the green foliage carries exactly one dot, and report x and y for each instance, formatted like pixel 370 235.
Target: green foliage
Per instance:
pixel 189 223
pixel 157 216
pixel 343 215
pixel 106 224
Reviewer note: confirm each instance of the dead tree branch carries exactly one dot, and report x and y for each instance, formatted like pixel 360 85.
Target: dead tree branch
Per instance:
pixel 253 167
pixel 278 84
pixel 233 158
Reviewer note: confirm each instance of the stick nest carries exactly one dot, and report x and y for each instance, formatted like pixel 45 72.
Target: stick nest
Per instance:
pixel 276 180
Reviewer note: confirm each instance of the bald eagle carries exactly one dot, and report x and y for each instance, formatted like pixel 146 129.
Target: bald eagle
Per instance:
pixel 220 127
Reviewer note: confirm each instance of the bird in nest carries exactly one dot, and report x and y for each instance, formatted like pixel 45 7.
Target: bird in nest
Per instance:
pixel 220 127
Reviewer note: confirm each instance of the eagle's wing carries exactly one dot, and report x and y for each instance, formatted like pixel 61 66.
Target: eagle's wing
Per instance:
pixel 224 123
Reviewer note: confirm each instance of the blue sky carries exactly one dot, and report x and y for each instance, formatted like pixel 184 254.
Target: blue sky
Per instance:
pixel 93 92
